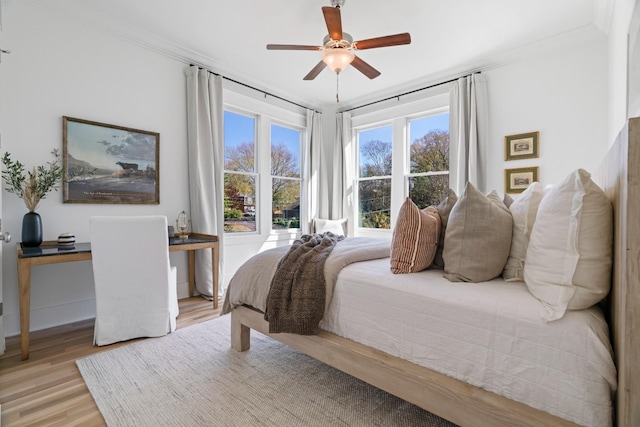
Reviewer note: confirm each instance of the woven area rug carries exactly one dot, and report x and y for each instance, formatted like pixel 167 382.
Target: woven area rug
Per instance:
pixel 192 377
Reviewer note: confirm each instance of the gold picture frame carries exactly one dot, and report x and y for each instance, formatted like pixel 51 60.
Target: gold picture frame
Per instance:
pixel 517 180
pixel 521 146
pixel 109 164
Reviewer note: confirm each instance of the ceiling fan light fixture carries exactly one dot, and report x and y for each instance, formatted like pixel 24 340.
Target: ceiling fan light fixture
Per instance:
pixel 337 59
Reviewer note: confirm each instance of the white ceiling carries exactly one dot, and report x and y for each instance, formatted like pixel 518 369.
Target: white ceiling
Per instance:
pixel 449 37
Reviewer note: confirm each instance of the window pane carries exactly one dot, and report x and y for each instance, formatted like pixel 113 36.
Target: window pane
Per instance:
pixel 239 203
pixel 286 203
pixel 374 203
pixel 239 142
pixel 374 146
pixel 285 151
pixel 429 137
pixel 428 190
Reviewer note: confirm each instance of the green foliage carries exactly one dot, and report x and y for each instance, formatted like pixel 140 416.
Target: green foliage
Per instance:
pixel 232 213
pixel 429 153
pixel 77 173
pixel 376 220
pixel 35 184
pixel 287 222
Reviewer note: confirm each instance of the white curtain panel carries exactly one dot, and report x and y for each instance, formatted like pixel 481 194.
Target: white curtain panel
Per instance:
pixel 468 128
pixel 205 140
pixel 341 203
pixel 315 176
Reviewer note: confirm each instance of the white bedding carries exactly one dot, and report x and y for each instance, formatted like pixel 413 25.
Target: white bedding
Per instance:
pixel 487 334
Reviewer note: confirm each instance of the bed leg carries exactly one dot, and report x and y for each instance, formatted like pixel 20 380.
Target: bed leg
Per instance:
pixel 240 334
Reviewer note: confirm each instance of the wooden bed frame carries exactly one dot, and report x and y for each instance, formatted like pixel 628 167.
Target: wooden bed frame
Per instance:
pixel 467 405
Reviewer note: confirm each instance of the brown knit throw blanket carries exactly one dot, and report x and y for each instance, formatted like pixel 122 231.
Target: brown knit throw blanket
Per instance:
pixel 296 298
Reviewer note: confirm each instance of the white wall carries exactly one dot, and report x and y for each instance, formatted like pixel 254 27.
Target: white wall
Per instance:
pixel 58 67
pixel 562 94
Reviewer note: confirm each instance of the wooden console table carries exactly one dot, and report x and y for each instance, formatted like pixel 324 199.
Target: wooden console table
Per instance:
pixel 50 253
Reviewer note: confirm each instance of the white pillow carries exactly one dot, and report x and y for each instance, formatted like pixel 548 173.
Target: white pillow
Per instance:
pixel 568 262
pixel 336 226
pixel 523 210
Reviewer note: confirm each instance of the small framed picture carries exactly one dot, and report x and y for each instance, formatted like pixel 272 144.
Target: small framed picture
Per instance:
pixel 517 180
pixel 521 146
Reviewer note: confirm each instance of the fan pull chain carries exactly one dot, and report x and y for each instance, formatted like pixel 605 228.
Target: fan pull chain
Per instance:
pixel 337 87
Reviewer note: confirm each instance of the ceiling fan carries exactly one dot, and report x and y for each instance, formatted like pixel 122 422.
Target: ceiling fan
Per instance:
pixel 338 47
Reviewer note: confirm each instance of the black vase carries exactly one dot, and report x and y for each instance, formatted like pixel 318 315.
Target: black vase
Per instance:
pixel 31 230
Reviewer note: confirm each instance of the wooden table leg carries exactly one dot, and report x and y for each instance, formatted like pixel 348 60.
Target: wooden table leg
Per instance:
pixel 215 259
pixel 192 272
pixel 24 289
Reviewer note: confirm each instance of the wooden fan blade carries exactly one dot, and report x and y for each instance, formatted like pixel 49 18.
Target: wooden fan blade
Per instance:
pixel 315 71
pixel 393 40
pixel 292 47
pixel 334 21
pixel 365 68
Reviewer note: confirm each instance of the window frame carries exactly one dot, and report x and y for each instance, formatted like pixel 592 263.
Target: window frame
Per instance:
pixel 299 178
pixel 255 174
pixel 267 114
pixel 434 103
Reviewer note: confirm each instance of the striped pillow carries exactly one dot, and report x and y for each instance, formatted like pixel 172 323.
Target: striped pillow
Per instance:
pixel 415 238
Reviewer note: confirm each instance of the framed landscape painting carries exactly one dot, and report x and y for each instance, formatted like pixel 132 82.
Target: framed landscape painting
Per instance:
pixel 517 180
pixel 521 146
pixel 109 164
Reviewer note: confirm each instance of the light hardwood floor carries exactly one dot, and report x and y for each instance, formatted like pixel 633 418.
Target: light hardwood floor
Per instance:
pixel 47 389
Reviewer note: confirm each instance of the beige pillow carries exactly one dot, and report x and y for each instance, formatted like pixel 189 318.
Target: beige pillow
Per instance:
pixel 444 209
pixel 478 237
pixel 507 200
pixel 523 210
pixel 415 238
pixel 568 262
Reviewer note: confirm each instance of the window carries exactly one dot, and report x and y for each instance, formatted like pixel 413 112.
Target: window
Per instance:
pixel 399 152
pixel 264 184
pixel 240 173
pixel 428 169
pixel 285 177
pixel 374 177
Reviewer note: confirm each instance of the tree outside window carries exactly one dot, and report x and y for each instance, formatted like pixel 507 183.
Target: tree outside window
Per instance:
pixel 374 182
pixel 428 177
pixel 425 172
pixel 285 177
pixel 240 173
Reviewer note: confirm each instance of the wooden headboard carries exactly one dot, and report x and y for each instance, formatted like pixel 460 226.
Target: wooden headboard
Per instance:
pixel 619 176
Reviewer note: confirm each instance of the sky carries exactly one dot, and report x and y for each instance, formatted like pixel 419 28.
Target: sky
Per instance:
pixel 89 143
pixel 418 128
pixel 239 129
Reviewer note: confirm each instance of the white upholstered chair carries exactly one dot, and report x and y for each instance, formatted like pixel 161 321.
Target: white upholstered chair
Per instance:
pixel 135 284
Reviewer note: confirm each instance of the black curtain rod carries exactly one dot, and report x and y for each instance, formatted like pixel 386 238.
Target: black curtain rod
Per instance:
pixel 408 93
pixel 256 89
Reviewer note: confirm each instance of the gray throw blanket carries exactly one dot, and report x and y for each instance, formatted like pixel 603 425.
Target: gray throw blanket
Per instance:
pixel 296 300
